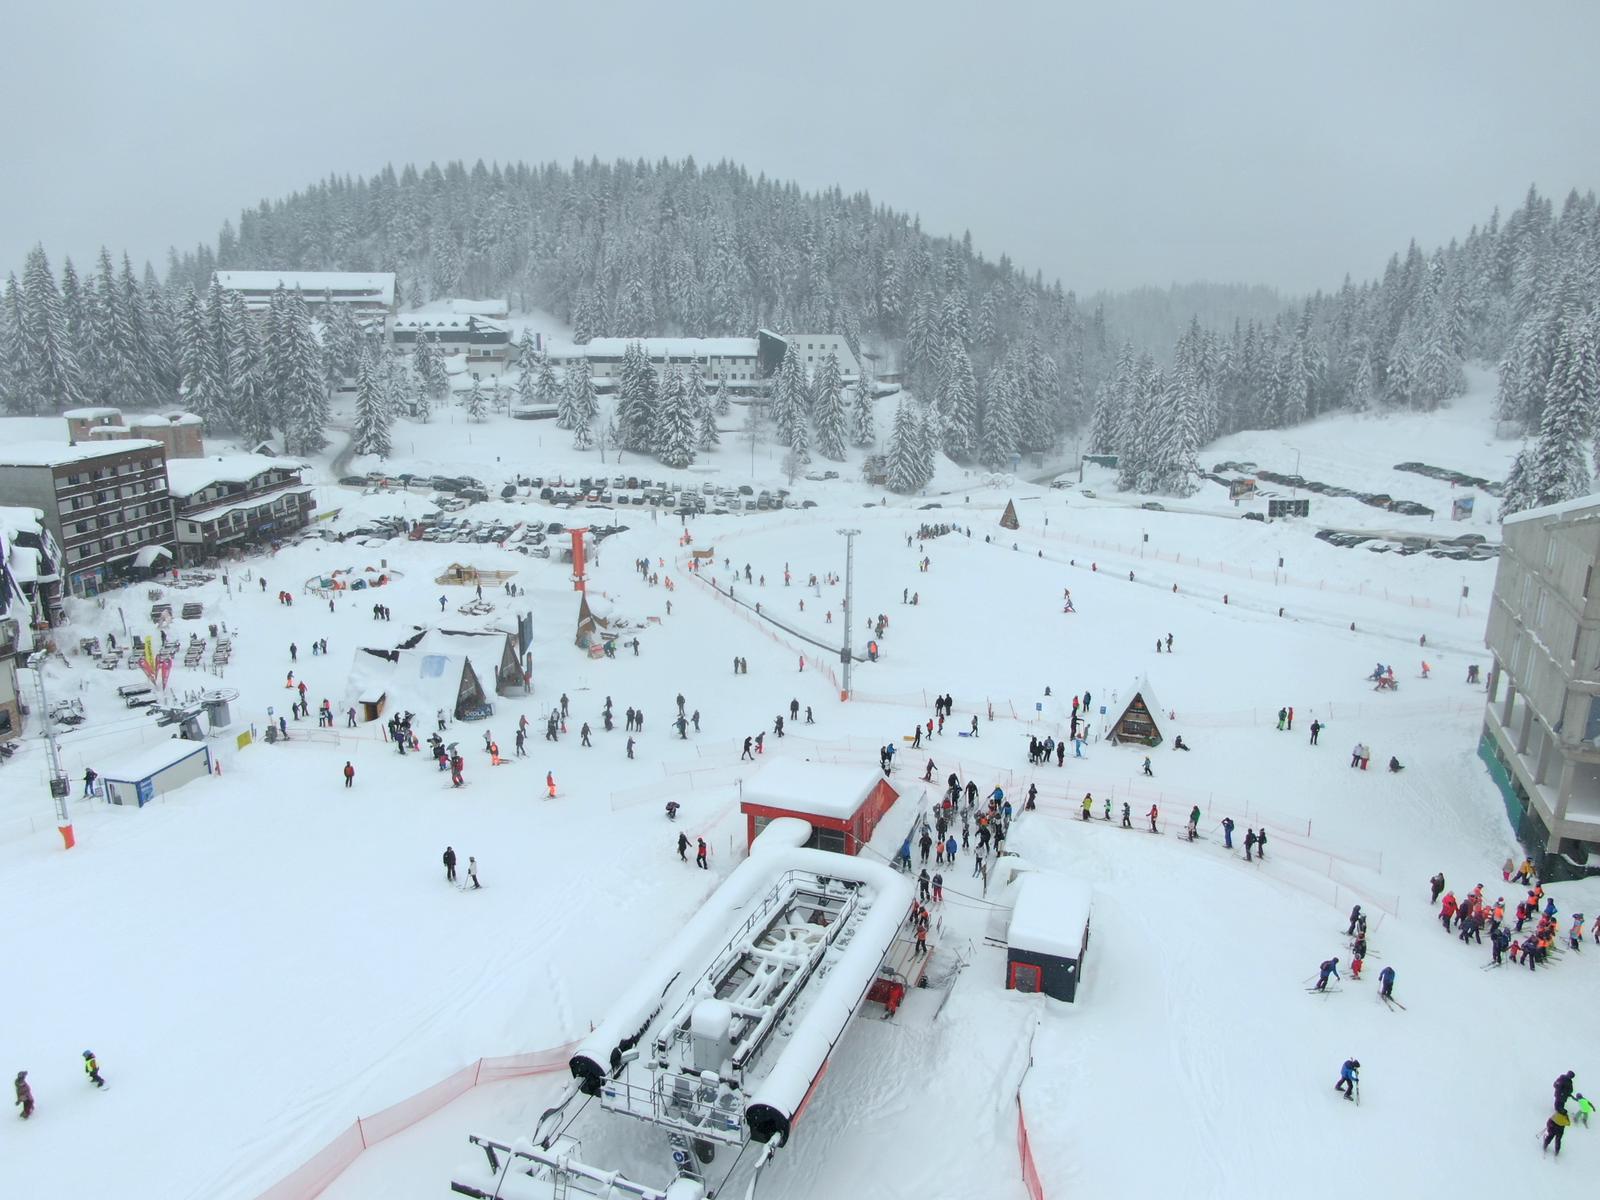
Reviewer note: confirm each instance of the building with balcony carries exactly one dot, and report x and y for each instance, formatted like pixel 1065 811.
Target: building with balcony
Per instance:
pixel 742 365
pixel 104 502
pixel 227 502
pixel 30 573
pixel 483 342
pixel 1541 728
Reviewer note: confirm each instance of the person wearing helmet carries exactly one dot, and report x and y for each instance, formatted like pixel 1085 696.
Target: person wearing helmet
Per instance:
pixel 1349 1078
pixel 91 1068
pixel 24 1095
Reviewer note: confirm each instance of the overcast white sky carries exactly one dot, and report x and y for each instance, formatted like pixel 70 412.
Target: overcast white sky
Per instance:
pixel 1109 144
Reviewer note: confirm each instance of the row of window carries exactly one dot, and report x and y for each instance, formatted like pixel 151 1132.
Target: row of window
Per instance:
pixel 77 479
pixel 121 541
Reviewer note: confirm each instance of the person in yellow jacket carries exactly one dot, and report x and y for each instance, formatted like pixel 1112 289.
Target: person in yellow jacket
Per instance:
pixel 91 1068
pixel 1554 1128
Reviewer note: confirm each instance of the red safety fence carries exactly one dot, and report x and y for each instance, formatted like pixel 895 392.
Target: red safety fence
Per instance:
pixel 1030 1171
pixel 313 1176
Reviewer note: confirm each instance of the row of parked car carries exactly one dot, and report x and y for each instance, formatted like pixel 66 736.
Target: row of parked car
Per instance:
pixel 683 499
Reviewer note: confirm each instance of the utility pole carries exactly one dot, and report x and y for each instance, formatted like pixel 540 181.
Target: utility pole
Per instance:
pixel 58 779
pixel 849 591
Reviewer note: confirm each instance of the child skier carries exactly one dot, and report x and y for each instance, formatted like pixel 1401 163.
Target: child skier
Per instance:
pixel 24 1095
pixel 91 1068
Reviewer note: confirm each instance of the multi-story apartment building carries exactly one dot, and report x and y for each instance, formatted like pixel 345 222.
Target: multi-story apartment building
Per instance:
pixel 229 501
pixel 484 341
pixel 30 571
pixel 370 295
pixel 1541 728
pixel 742 365
pixel 105 503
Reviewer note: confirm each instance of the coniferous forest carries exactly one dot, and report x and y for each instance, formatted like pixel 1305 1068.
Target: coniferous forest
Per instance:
pixel 998 361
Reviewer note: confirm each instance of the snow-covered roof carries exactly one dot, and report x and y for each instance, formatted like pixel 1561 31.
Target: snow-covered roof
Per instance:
pixel 418 681
pixel 222 509
pixel 1050 914
pixel 1578 506
pixel 91 414
pixel 59 454
pixel 186 476
pixel 377 285
pixel 477 308
pixel 141 764
pixel 438 322
pixel 823 789
pixel 610 347
pixel 177 418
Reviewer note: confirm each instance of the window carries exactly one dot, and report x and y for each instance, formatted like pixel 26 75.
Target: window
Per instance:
pixel 1550 552
pixel 1542 608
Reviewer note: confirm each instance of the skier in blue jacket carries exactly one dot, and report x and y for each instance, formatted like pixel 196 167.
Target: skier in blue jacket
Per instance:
pixel 1386 982
pixel 1330 967
pixel 1349 1077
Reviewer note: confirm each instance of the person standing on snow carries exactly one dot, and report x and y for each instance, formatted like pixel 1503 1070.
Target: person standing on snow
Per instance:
pixel 1153 814
pixel 1386 982
pixel 1553 1129
pixel 24 1095
pixel 683 846
pixel 1261 844
pixel 1437 884
pixel 1227 833
pixel 1316 728
pixel 1564 1089
pixel 1282 713
pixel 700 853
pixel 1349 1077
pixel 1355 915
pixel 449 864
pixel 91 1068
pixel 349 774
pixel 1249 844
pixel 1127 816
pixel 472 871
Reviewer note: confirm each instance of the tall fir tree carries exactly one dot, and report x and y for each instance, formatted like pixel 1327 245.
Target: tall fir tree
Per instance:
pixel 958 404
pixel 702 410
pixel 50 380
pixel 372 410
pixel 829 411
pixel 476 403
pixel 578 396
pixel 789 399
pixel 998 440
pixel 677 429
pixel 863 415
pixel 909 464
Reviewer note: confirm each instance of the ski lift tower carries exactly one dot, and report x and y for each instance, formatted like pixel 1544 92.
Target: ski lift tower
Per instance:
pixel 849 588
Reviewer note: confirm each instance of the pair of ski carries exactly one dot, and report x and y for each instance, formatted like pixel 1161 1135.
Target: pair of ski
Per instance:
pixel 1391 1002
pixel 1324 991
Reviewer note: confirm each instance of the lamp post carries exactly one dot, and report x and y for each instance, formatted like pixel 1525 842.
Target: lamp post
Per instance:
pixel 849 622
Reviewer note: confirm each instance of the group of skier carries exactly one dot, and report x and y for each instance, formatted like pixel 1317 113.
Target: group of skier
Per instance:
pixel 1474 915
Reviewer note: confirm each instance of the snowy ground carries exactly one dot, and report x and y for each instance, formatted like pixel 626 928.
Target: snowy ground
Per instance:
pixel 260 957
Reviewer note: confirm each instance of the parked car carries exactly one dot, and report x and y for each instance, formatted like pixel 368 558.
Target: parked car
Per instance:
pixel 353 481
pixel 1154 506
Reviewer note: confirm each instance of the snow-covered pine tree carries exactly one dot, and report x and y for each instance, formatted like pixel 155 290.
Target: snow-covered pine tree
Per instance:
pixel 476 403
pixel 998 440
pixel 829 409
pixel 546 389
pixel 202 375
pixel 50 380
pixel 1520 492
pixel 909 469
pixel 579 393
pixel 372 411
pixel 1179 411
pixel 1363 389
pixel 717 390
pixel 702 409
pixel 637 398
pixel 305 399
pixel 789 399
pixel 11 398
pixel 958 403
pixel 863 416
pixel 432 378
pixel 1561 462
pixel 677 429
pixel 398 387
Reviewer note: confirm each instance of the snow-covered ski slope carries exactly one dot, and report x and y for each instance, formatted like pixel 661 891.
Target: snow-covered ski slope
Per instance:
pixel 260 957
